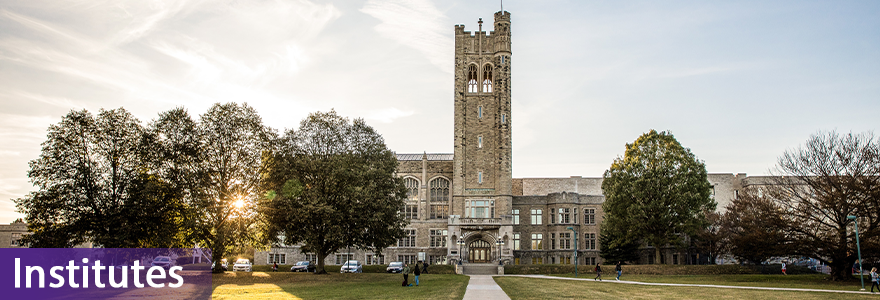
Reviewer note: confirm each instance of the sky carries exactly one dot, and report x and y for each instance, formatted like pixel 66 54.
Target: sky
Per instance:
pixel 737 82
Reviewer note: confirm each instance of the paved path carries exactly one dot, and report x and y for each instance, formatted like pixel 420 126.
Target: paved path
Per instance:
pixel 483 287
pixel 676 284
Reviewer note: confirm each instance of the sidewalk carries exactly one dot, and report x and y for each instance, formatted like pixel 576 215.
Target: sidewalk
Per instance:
pixel 483 287
pixel 682 284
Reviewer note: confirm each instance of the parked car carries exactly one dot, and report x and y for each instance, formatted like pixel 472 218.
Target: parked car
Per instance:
pixel 162 261
pixel 242 264
pixel 303 266
pixel 352 266
pixel 394 267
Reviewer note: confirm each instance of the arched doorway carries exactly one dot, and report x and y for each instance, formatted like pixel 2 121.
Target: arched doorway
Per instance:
pixel 479 251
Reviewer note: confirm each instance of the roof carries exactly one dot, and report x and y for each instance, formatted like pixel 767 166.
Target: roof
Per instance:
pixel 418 156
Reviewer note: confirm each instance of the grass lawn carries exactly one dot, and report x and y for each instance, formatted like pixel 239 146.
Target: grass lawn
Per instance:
pixel 812 281
pixel 536 288
pixel 287 285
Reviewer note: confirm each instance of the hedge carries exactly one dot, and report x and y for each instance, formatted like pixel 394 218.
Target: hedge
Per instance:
pixel 658 269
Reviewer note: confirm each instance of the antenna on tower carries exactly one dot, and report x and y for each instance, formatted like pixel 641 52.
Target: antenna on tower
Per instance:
pixel 502 7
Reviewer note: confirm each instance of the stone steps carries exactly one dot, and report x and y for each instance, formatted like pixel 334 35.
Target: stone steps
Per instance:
pixel 480 269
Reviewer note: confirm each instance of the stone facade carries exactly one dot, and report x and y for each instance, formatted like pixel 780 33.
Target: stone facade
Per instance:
pixel 10 234
pixel 465 206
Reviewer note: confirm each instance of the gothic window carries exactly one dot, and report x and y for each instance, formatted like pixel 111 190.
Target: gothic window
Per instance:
pixel 439 190
pixel 590 241
pixel 438 237
pixel 537 239
pixel 408 240
pixel 480 209
pixel 565 241
pixel 564 216
pixel 589 216
pixel 472 79
pixel 412 188
pixel 515 214
pixel 440 211
pixel 487 79
pixel 516 241
pixel 410 211
pixel 536 217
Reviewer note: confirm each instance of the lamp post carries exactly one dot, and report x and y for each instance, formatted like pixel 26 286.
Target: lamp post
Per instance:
pixel 498 243
pixel 575 250
pixel 859 249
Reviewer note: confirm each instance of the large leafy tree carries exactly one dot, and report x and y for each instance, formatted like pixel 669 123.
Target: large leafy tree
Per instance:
pixel 95 185
pixel 818 185
pixel 712 240
pixel 334 186
pixel 656 193
pixel 754 227
pixel 233 143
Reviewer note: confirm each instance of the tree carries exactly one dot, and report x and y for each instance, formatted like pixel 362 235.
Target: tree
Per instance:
pixel 614 247
pixel 656 193
pixel 233 143
pixel 94 185
pixel 713 239
pixel 754 226
pixel 818 185
pixel 336 188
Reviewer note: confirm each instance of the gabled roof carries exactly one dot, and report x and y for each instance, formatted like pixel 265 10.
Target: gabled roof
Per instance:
pixel 418 156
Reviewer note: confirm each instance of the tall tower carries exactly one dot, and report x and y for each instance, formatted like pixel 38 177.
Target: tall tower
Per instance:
pixel 482 163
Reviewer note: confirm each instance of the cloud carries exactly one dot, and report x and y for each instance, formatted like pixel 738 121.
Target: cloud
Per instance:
pixel 417 24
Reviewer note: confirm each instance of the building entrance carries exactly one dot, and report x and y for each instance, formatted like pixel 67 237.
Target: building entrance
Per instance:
pixel 478 251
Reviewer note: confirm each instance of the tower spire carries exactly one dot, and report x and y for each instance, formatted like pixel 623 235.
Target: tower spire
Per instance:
pixel 481 24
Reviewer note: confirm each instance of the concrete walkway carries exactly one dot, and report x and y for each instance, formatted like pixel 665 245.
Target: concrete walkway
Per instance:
pixel 483 287
pixel 673 284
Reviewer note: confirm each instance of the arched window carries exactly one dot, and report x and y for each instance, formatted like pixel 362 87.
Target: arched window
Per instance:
pixel 487 79
pixel 472 79
pixel 412 188
pixel 439 190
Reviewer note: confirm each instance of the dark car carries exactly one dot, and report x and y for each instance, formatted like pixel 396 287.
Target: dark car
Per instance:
pixel 303 266
pixel 394 267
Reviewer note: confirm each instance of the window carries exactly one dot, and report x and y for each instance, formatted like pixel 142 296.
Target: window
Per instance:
pixel 437 259
pixel 407 259
pixel 590 241
pixel 373 259
pixel 537 260
pixel 342 258
pixel 574 214
pixel 480 177
pixel 480 111
pixel 439 190
pixel 412 188
pixel 502 59
pixel 472 79
pixel 480 208
pixel 480 141
pixel 515 214
pixel 712 191
pixel 564 216
pixel 487 79
pixel 277 258
pixel 553 241
pixel 565 241
pixel 516 260
pixel 16 239
pixel 439 211
pixel 312 258
pixel 553 260
pixel 537 239
pixel 438 237
pixel 411 211
pixel 591 261
pixel 590 216
pixel 536 217
pixel 516 241
pixel 565 260
pixel 503 118
pixel 409 240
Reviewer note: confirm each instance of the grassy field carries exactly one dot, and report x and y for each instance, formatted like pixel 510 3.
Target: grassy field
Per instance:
pixel 287 285
pixel 536 288
pixel 813 281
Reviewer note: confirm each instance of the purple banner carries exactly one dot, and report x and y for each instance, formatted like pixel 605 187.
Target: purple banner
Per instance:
pixel 101 273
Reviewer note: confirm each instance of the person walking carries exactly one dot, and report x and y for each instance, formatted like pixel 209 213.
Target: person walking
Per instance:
pixel 275 267
pixel 417 272
pixel 783 268
pixel 618 269
pixel 875 280
pixel 405 273
pixel 598 272
pixel 425 267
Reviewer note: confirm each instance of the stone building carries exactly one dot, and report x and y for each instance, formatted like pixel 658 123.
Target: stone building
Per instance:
pixel 10 234
pixel 465 206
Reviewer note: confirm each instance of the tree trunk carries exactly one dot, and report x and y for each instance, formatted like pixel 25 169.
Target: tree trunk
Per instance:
pixel 320 256
pixel 217 255
pixel 657 255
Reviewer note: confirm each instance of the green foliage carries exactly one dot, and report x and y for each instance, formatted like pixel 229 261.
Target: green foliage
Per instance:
pixel 656 193
pixel 96 183
pixel 614 247
pixel 338 188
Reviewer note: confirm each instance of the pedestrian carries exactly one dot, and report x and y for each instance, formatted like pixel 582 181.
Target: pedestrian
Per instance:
pixel 405 273
pixel 619 270
pixel 275 267
pixel 424 267
pixel 417 272
pixel 875 280
pixel 783 268
pixel 598 272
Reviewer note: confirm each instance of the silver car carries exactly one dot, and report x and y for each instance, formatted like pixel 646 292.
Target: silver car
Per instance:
pixel 242 264
pixel 352 266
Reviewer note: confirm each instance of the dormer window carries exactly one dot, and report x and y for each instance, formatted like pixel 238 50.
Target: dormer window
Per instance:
pixel 472 79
